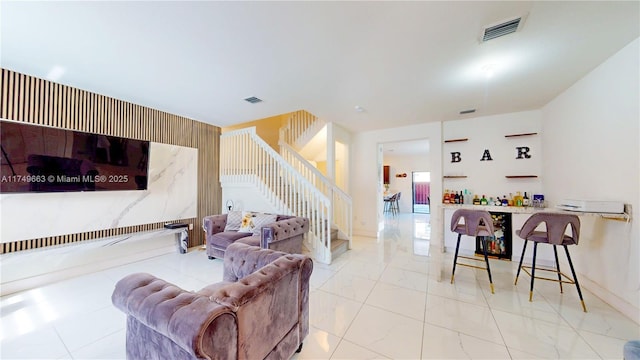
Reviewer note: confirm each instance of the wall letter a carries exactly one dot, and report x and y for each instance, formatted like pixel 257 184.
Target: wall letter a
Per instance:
pixel 486 155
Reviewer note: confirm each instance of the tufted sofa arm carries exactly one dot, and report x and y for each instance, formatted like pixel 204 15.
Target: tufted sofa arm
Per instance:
pixel 214 223
pixel 241 260
pixel 193 322
pixel 251 286
pixel 285 229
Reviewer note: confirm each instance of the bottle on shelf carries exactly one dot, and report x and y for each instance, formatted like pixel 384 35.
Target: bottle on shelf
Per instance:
pixel 483 201
pixel 445 197
pixel 525 200
pixel 476 201
pixel 510 201
pixel 517 200
pixel 461 198
pixel 505 201
pixel 456 198
pixel 497 201
pixel 468 198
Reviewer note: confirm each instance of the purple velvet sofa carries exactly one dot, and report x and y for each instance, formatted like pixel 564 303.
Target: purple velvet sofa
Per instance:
pixel 259 311
pixel 286 234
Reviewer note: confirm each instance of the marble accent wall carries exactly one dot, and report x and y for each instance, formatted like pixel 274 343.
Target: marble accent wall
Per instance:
pixel 171 194
pixel 33 100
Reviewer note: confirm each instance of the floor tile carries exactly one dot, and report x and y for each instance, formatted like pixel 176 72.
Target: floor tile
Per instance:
pixel 462 290
pixel 332 313
pixel 43 343
pixel 84 329
pixel 549 340
pixel 386 333
pixel 349 285
pixel 463 317
pixel 349 351
pixel 109 347
pixel 398 300
pixel 318 345
pixel 441 343
pixel 405 278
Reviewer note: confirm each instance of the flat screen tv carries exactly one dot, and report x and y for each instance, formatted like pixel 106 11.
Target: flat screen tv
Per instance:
pixel 44 159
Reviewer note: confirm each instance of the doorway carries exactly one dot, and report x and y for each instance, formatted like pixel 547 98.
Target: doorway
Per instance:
pixel 421 185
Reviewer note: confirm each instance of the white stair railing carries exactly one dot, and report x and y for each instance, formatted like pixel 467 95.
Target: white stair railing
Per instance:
pixel 341 201
pixel 246 158
pixel 300 127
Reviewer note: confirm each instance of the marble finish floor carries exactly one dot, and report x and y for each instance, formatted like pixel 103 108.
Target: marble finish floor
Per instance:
pixel 377 301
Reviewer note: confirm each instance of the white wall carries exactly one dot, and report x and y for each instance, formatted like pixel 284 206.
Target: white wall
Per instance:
pixel 171 194
pixel 245 196
pixel 366 179
pixel 399 164
pixel 591 151
pixel 488 132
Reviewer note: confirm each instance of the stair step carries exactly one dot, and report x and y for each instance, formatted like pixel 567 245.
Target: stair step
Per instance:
pixel 338 247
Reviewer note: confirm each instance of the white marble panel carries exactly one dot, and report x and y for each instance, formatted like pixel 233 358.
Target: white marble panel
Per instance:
pixel 171 194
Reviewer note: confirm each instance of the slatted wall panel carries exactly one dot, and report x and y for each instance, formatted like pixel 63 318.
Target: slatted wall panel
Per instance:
pixel 29 99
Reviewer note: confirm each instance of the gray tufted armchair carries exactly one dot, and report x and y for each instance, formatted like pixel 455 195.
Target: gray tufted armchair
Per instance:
pixel 259 311
pixel 285 234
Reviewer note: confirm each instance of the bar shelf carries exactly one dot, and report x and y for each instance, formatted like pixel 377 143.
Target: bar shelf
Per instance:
pixel 523 134
pixel 520 176
pixel 455 140
pixel 454 176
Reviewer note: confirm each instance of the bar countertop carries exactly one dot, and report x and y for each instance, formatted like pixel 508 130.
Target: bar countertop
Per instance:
pixel 530 210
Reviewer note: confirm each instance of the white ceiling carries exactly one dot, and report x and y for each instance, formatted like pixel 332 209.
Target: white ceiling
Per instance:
pixel 403 62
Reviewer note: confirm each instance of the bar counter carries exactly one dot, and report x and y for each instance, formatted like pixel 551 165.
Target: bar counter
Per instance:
pixel 519 216
pixel 531 210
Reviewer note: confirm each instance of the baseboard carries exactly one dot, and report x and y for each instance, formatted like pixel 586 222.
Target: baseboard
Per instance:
pixel 629 310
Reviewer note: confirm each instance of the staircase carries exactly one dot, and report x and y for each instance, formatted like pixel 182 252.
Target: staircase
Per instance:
pixel 292 186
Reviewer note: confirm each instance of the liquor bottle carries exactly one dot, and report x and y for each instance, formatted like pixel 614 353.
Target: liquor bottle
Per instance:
pixel 505 201
pixel 510 202
pixel 517 200
pixel 483 201
pixel 461 198
pixel 497 202
pixel 476 201
pixel 525 200
pixel 456 198
pixel 445 198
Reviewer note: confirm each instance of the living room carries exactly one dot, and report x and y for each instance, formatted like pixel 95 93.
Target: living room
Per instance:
pixel 599 108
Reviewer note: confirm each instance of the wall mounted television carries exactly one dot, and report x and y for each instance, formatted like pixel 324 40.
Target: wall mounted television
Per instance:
pixel 37 158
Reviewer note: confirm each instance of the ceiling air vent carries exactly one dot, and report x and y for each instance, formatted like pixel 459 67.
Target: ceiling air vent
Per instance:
pixel 253 100
pixel 504 28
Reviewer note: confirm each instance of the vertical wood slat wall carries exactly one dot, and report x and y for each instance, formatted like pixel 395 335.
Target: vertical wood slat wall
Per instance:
pixel 33 100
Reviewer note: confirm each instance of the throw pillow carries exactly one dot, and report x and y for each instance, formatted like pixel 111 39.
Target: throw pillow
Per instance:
pixel 252 222
pixel 234 218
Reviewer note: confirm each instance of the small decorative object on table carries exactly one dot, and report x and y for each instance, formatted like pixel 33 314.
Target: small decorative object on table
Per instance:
pixel 182 238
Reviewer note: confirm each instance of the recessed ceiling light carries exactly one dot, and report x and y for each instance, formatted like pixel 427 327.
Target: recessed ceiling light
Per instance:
pixel 253 100
pixel 489 69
